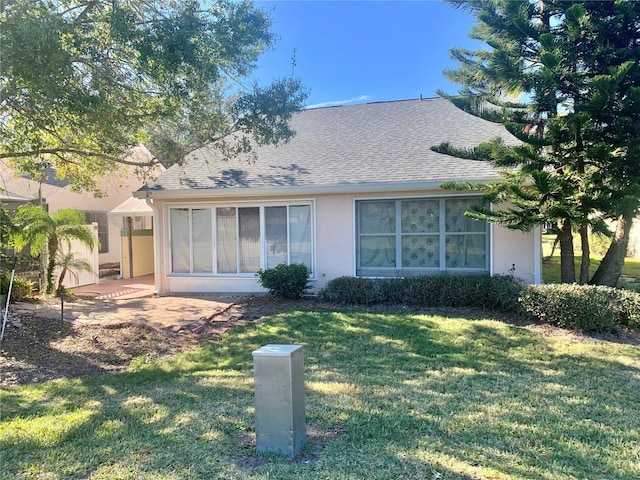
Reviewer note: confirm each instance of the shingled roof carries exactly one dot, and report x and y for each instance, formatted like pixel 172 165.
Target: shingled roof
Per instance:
pixel 23 188
pixel 367 147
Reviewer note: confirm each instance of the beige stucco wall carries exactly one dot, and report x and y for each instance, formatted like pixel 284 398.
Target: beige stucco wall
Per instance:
pixel 142 247
pixel 514 252
pixel 117 189
pixel 334 242
pixel 335 252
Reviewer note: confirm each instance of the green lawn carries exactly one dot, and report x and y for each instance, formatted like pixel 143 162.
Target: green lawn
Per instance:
pixel 551 266
pixel 631 269
pixel 389 396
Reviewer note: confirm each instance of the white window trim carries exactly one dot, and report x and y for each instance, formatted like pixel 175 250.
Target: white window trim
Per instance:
pixel 442 269
pixel 236 204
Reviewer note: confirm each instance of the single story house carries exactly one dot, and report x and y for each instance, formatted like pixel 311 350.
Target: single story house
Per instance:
pixel 356 192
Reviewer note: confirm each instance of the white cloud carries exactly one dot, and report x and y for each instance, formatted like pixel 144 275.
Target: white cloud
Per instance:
pixel 334 103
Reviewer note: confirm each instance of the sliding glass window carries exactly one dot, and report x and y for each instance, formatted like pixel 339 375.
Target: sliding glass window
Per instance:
pixel 191 240
pixel 239 240
pixel 287 235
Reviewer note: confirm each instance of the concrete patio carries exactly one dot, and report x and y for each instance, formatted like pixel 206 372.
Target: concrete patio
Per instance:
pixel 115 302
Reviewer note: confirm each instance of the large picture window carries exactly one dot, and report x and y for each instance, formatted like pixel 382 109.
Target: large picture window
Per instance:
pixel 418 236
pixel 239 240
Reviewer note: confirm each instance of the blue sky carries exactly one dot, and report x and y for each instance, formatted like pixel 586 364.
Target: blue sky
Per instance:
pixel 364 51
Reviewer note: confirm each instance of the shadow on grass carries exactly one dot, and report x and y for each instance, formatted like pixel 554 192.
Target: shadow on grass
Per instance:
pixel 413 396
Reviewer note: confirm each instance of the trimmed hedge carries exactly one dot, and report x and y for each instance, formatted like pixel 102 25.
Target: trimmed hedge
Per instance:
pixel 589 308
pixel 285 281
pixel 481 291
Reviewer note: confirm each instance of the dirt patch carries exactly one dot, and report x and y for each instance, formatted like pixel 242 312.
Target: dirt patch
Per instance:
pixel 42 349
pixel 317 440
pixel 36 349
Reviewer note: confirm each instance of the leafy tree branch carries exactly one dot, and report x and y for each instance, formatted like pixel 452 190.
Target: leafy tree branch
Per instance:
pixel 84 82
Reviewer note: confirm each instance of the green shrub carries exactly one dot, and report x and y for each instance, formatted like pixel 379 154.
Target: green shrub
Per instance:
pixel 589 308
pixel 21 288
pixel 481 291
pixel 4 283
pixel 505 293
pixel 628 308
pixel 351 291
pixel 285 281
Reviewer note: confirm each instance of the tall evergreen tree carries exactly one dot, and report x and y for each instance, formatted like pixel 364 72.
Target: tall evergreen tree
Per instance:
pixel 576 64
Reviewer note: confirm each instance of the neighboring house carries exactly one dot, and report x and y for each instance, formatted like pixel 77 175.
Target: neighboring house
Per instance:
pixel 55 194
pixel 136 241
pixel 356 192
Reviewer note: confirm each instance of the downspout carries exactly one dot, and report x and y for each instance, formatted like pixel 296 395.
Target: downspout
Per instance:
pixel 157 264
pixel 537 255
pixel 491 235
pixel 130 245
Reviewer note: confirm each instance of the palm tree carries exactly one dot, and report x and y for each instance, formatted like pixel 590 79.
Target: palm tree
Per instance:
pixel 46 233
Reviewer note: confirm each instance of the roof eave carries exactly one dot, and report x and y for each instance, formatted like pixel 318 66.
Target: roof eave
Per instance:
pixel 347 188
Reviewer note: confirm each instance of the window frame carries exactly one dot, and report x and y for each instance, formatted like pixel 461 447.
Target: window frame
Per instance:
pixel 103 227
pixel 398 270
pixel 262 235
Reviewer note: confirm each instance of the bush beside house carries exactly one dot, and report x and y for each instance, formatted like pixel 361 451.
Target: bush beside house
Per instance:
pixel 588 308
pixel 496 292
pixel 285 281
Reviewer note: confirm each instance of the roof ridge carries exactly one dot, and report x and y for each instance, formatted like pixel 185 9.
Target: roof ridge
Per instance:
pixel 419 99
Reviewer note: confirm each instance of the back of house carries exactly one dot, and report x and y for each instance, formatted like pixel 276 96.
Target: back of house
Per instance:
pixel 357 192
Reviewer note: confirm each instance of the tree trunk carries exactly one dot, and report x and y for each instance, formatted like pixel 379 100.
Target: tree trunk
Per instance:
pixel 51 266
pixel 610 269
pixel 567 260
pixel 63 274
pixel 52 247
pixel 586 260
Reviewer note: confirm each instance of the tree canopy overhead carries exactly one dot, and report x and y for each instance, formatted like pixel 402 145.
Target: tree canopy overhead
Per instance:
pixel 84 81
pixel 563 77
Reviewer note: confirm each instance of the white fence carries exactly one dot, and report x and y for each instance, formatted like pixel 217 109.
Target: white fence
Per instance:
pixel 78 278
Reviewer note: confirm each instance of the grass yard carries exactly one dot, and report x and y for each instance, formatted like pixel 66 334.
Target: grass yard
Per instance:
pixel 389 396
pixel 551 266
pixel 631 270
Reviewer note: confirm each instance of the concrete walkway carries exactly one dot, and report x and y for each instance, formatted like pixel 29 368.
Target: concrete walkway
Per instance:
pixel 118 302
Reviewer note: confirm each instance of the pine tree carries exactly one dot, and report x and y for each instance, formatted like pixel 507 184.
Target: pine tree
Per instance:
pixel 576 65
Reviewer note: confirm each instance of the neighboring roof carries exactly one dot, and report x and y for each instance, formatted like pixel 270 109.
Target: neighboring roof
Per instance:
pixel 372 146
pixel 132 207
pixel 23 186
pixel 49 177
pixel 16 187
pixel 8 196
